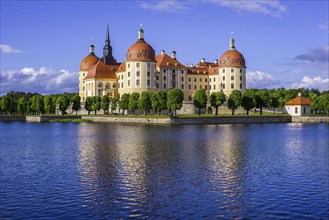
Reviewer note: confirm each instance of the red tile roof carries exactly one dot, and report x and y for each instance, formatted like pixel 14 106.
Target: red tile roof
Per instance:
pixel 300 100
pixel 100 70
pixel 166 61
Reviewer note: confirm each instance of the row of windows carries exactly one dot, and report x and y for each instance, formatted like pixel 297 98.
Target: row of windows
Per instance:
pixel 232 70
pixel 172 71
pixel 148 65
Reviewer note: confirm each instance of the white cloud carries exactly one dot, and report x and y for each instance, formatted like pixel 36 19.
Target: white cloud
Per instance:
pixel 261 80
pixel 164 5
pixel 312 83
pixel 43 80
pixel 320 54
pixel 4 48
pixel 268 7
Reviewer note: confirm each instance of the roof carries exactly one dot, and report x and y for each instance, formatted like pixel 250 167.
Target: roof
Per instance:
pixel 164 60
pixel 122 67
pixel 88 62
pixel 140 51
pixel 100 70
pixel 300 100
pixel 232 58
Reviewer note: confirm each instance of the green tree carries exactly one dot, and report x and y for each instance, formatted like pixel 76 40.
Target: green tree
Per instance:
pixel 96 106
pixel 217 99
pixel 114 104
pixel 124 102
pixel 22 105
pixel 274 101
pixel 7 104
pixel 76 104
pixel 49 104
pixel 200 99
pixel 133 102
pixel 88 104
pixel 247 102
pixel 159 101
pixel 234 100
pixel 105 104
pixel 144 102
pixel 261 100
pixel 175 99
pixel 63 102
pixel 323 103
pixel 37 104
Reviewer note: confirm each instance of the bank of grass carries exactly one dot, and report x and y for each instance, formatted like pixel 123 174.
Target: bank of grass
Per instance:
pixel 129 116
pixel 253 114
pixel 70 120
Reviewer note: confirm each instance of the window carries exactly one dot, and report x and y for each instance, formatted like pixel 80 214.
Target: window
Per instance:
pixel 304 110
pixel 121 76
pixel 232 85
pixel 205 87
pixel 157 77
pixel 182 71
pixel 148 74
pixel 223 86
pixel 194 79
pixel 189 87
pixel 148 65
pixel 214 79
pixel 157 85
pixel 128 82
pixel 137 82
pixel 200 86
pixel 164 70
pixel 148 82
pixel 121 85
pixel 128 65
pixel 148 55
pixel 189 79
pixel 173 85
pixel 164 78
pixel 223 78
pixel 194 87
pixel 205 79
pixel 232 70
pixel 209 79
pixel 128 74
pixel 223 70
pixel 138 55
pixel 240 85
pixel 137 64
pixel 182 79
pixel 164 85
pixel 84 74
pixel 200 79
pixel 241 78
pixel 137 73
pixel 173 71
pixel 214 87
pixel 232 77
pixel 240 70
pixel 173 77
pixel 182 86
pixel 83 88
pixel 296 110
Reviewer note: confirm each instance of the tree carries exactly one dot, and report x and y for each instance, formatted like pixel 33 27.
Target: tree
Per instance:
pixel 159 101
pixel 144 102
pixel 124 102
pixel 175 99
pixel 261 100
pixel 76 104
pixel 247 102
pixel 200 99
pixel 105 104
pixel 7 104
pixel 217 99
pixel 88 104
pixel 49 104
pixel 323 103
pixel 114 104
pixel 274 101
pixel 37 104
pixel 133 102
pixel 96 106
pixel 63 102
pixel 234 100
pixel 21 105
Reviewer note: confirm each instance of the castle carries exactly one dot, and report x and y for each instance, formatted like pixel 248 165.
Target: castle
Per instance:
pixel 143 70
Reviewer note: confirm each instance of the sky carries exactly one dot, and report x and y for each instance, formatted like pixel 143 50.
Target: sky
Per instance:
pixel 285 43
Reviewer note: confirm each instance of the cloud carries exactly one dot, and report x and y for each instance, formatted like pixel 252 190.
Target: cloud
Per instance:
pixel 269 7
pixel 324 27
pixel 312 83
pixel 315 55
pixel 262 80
pixel 164 5
pixel 4 48
pixel 44 80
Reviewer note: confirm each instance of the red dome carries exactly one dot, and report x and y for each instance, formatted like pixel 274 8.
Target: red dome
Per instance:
pixel 88 62
pixel 140 51
pixel 232 58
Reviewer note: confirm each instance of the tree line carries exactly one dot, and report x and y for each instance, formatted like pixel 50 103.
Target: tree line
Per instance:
pixel 20 103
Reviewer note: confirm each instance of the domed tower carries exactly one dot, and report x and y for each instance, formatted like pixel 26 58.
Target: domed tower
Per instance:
pixel 232 70
pixel 85 65
pixel 139 74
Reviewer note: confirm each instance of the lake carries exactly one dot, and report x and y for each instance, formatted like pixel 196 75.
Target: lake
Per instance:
pixel 110 171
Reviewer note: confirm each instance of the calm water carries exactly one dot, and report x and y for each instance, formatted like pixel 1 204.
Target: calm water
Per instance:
pixel 106 171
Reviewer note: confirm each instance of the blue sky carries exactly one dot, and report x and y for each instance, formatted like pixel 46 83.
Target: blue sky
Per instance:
pixel 285 43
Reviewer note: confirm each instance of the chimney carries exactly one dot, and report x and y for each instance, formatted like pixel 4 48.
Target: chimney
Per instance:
pixel 203 60
pixel 173 54
pixel 163 52
pixel 216 61
pixel 299 94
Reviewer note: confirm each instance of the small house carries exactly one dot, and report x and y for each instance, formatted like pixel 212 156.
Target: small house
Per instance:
pixel 298 106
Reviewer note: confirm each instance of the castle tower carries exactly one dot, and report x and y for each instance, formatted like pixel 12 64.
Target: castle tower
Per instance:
pixel 107 50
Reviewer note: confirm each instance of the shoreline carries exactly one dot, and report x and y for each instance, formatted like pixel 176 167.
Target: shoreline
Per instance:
pixel 173 120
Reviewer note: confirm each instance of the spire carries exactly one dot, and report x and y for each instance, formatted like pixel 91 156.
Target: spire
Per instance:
pixel 232 46
pixel 107 49
pixel 140 32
